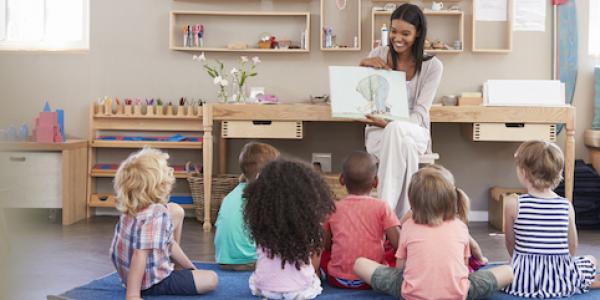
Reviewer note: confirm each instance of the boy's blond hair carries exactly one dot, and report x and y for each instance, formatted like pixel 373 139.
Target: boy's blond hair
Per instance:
pixel 541 162
pixel 434 198
pixel 253 157
pixel 142 179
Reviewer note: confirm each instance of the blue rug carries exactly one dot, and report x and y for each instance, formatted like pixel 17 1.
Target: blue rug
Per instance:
pixel 234 285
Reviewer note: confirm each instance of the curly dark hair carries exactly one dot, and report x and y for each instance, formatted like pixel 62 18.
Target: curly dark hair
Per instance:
pixel 284 210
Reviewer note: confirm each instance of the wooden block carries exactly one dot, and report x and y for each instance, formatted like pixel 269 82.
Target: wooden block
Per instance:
pixel 180 110
pixel 496 205
pixel 137 110
pixel 120 109
pixel 150 110
pixel 170 110
pixel 464 101
pixel 128 110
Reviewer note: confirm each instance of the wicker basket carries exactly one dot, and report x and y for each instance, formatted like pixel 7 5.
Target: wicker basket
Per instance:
pixel 221 186
pixel 333 180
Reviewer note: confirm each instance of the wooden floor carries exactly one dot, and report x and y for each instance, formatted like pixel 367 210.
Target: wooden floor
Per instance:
pixel 47 258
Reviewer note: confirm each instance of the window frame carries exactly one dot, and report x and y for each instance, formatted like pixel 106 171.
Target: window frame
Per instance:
pixel 75 46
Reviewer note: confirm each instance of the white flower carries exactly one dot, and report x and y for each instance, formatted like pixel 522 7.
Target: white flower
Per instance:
pixel 224 82
pixel 218 80
pixel 256 60
pixel 245 59
pixel 202 57
pixel 234 71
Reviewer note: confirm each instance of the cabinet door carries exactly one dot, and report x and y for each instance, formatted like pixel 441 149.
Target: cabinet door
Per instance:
pixel 31 179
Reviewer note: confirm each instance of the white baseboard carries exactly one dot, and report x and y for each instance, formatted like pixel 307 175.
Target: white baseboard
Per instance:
pixel 478 216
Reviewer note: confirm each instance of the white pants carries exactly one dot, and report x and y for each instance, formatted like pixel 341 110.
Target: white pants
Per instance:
pixel 311 292
pixel 398 147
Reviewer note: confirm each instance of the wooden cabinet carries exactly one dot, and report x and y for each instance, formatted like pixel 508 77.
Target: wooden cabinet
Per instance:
pixel 37 175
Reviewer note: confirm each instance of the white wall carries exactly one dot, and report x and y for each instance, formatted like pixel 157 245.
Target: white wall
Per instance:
pixel 129 57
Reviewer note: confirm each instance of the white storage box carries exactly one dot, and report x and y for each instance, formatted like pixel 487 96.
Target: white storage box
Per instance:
pixel 262 129
pixel 513 132
pixel 524 93
pixel 31 179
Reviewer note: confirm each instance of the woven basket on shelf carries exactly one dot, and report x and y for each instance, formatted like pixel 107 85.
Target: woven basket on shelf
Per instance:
pixel 221 186
pixel 333 180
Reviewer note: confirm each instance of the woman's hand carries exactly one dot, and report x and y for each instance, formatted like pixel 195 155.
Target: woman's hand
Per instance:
pixel 375 121
pixel 374 62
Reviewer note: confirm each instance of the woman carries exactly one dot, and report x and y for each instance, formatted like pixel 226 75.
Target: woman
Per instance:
pixel 399 144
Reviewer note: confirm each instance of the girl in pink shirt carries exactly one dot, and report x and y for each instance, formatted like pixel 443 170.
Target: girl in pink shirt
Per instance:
pixel 433 251
pixel 284 210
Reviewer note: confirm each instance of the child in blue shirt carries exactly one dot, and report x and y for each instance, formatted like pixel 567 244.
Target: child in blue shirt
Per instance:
pixel 234 249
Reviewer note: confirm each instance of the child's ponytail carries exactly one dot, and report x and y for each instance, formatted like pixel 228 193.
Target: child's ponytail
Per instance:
pixel 462 205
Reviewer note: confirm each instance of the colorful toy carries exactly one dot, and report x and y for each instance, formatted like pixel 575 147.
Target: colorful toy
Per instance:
pixel 47 126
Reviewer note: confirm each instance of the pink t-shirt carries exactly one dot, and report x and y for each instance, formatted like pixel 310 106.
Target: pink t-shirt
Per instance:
pixel 434 260
pixel 269 276
pixel 358 230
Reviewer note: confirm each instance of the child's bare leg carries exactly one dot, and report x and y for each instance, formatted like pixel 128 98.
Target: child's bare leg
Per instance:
pixel 503 274
pixel 205 281
pixel 176 213
pixel 364 268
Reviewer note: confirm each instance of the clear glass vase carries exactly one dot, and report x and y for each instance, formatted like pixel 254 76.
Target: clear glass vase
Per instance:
pixel 239 93
pixel 222 94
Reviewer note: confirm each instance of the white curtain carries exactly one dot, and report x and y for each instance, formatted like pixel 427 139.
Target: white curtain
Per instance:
pixel 594 28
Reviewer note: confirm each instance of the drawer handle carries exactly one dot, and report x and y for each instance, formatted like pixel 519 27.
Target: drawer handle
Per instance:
pixel 514 125
pixel 103 198
pixel 262 122
pixel 17 159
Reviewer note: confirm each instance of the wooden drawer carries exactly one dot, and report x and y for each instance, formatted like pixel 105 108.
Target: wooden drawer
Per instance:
pixel 262 129
pixel 513 132
pixel 31 179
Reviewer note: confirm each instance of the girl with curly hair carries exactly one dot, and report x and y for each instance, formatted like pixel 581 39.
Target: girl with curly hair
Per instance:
pixel 284 210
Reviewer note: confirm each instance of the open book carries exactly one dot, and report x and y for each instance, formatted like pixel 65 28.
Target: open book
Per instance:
pixel 358 91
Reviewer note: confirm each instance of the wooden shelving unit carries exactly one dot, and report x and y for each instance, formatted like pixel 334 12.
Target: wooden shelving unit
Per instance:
pixel 190 122
pixel 445 25
pixel 349 17
pixel 282 24
pixel 493 30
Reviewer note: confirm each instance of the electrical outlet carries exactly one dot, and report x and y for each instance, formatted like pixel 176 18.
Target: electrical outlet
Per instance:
pixel 324 159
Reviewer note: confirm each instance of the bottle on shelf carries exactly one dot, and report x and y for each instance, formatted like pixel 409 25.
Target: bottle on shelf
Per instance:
pixel 384 35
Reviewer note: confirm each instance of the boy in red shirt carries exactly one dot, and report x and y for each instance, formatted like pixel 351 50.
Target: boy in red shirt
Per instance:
pixel 359 226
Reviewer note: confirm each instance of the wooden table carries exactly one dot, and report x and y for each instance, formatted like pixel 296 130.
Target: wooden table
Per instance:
pixel 74 161
pixel 438 114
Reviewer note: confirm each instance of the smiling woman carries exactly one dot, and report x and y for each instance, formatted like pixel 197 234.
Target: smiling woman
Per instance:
pixel 44 25
pixel 399 144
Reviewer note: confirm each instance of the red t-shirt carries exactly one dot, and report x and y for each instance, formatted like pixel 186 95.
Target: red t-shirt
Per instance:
pixel 358 230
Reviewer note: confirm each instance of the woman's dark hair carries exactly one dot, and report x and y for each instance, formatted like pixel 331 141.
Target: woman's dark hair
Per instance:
pixel 412 14
pixel 284 210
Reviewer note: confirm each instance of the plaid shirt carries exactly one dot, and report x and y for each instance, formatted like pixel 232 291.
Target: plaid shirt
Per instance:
pixel 150 229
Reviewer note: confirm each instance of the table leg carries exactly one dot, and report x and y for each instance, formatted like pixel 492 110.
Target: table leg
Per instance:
pixel 570 156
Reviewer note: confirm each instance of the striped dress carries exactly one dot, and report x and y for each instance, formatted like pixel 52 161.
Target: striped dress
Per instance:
pixel 542 265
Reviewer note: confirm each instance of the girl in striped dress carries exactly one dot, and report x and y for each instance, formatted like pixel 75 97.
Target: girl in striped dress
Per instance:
pixel 540 231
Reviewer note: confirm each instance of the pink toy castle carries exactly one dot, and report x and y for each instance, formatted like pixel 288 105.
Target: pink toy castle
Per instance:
pixel 46 128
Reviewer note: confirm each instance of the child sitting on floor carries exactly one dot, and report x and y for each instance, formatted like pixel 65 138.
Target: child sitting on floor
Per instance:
pixel 540 230
pixel 433 251
pixel 359 226
pixel 147 236
pixel 284 210
pixel 234 249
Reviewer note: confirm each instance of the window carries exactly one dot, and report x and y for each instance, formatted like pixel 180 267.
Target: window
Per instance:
pixel 594 28
pixel 44 24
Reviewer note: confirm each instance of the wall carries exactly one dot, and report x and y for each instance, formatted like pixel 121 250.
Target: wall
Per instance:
pixel 129 57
